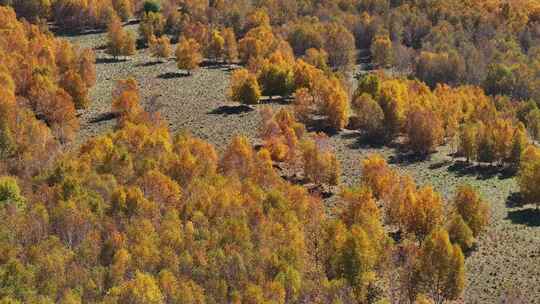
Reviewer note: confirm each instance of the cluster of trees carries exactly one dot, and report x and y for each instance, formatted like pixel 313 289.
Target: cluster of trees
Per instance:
pixel 74 15
pixel 493 44
pixel 287 141
pixel 434 235
pixel 482 128
pixel 417 211
pixel 319 97
pixel 141 216
pixel 43 81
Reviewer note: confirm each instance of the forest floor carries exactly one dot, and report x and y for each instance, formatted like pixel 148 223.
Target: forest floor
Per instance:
pixel 508 255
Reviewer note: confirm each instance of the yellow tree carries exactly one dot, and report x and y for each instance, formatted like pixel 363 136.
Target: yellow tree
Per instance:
pixel 317 58
pixel 529 175
pixel 423 212
pixel 468 141
pixel 216 46
pixel 142 289
pixel 424 130
pixel 460 233
pixel 244 87
pixel 473 210
pixel 121 43
pixel 381 50
pixel 152 24
pixel 258 42
pixel 393 101
pixel 441 267
pixel 377 175
pixel 230 44
pixel 275 76
pixel 160 47
pixel 320 166
pixel 188 55
pixel 369 116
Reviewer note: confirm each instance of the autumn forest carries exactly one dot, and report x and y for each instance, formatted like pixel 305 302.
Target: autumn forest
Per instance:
pixel 269 151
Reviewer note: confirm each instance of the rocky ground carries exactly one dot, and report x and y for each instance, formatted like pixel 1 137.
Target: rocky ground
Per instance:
pixel 507 259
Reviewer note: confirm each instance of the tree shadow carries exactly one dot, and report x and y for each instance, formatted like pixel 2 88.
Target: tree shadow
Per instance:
pixel 514 199
pixel 106 60
pixel 319 191
pixel 214 65
pixel 104 117
pixel 528 217
pixel 171 75
pixel 481 171
pixel 101 47
pixel 133 21
pixel 70 32
pixel 150 63
pixel 363 141
pixel 231 110
pixel 276 100
pixel 407 158
pixel 440 164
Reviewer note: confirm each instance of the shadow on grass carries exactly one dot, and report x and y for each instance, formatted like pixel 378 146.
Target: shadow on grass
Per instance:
pixel 149 63
pixel 104 117
pixel 231 110
pixel 481 171
pixel 69 32
pixel 319 191
pixel 407 158
pixel 440 164
pixel 276 100
pixel 363 141
pixel 102 60
pixel 171 75
pixel 514 199
pixel 528 217
pixel 101 47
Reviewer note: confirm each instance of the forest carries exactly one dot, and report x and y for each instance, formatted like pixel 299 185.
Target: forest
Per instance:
pixel 269 151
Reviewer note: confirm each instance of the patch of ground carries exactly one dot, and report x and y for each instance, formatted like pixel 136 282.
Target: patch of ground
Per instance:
pixel 508 255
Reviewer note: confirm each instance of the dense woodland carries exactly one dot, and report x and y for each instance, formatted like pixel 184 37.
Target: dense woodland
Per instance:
pixel 141 215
